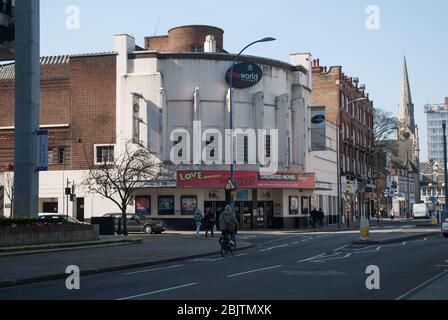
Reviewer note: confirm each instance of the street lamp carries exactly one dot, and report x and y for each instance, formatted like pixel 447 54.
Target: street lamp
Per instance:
pixel 338 146
pixel 232 164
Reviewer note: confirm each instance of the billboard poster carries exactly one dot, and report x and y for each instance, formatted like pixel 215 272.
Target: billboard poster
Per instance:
pixel 293 205
pixel 42 150
pixel 318 129
pixel 143 205
pixel 189 205
pixel 166 205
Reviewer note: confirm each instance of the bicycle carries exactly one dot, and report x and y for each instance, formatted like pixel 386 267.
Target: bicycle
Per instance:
pixel 226 247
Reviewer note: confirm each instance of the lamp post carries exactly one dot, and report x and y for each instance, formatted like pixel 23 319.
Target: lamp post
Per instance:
pixel 445 163
pixel 232 164
pixel 338 162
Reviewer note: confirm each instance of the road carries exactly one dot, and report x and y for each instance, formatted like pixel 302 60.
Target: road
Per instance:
pixel 282 266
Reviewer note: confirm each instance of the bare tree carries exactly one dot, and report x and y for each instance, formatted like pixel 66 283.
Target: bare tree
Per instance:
pixel 384 125
pixel 7 182
pixel 118 180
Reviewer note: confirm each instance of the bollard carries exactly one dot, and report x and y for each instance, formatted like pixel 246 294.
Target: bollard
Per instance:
pixel 365 229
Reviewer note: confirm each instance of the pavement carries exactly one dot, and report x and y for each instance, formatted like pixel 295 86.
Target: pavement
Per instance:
pixel 152 250
pixel 277 265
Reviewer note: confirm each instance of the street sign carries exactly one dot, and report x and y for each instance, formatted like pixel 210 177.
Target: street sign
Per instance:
pixel 230 186
pixel 42 150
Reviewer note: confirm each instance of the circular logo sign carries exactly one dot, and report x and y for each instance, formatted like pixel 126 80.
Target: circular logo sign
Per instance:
pixel 245 75
pixel 318 119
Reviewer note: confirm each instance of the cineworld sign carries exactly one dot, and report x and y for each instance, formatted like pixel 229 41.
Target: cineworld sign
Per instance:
pixel 245 75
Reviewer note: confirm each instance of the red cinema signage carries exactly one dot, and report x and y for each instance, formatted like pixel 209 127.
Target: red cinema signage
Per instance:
pixel 244 179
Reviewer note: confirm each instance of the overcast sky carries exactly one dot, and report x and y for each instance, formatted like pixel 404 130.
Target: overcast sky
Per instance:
pixel 332 30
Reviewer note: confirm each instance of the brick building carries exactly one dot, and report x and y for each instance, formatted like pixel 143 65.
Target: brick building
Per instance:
pixel 94 105
pixel 78 114
pixel 347 103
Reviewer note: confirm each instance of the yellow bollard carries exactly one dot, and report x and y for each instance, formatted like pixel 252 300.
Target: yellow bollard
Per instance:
pixel 365 230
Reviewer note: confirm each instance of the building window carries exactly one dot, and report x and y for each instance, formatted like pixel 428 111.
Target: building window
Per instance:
pixel 61 154
pixel 268 147
pixel 246 149
pixel 50 157
pixel 104 154
pixel 196 49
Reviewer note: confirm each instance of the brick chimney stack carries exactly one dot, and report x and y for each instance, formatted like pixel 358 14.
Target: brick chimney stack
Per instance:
pixel 446 101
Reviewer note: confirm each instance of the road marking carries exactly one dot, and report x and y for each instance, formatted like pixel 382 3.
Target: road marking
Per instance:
pixel 296 242
pixel 312 258
pixel 272 248
pixel 343 247
pixel 315 273
pixel 150 270
pixel 158 291
pixel 253 271
pixel 442 266
pixel 421 286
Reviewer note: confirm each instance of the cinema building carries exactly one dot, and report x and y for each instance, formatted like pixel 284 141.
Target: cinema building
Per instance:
pixel 155 96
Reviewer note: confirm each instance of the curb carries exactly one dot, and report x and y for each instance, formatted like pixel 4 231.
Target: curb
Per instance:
pixel 395 240
pixel 27 250
pixel 17 282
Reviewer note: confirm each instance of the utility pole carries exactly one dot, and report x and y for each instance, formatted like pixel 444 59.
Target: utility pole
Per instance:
pixel 27 108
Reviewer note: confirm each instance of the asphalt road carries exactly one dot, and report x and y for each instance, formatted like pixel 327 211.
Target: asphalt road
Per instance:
pixel 282 266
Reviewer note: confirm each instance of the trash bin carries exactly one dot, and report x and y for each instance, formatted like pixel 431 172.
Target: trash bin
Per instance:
pixel 106 225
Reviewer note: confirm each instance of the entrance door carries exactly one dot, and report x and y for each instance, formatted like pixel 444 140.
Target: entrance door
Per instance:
pixel 265 212
pixel 80 209
pixel 244 214
pixel 217 208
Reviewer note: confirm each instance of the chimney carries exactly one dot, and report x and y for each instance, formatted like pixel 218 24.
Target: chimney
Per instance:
pixel 210 44
pixel 446 101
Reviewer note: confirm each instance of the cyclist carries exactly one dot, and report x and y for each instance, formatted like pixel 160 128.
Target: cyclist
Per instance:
pixel 228 224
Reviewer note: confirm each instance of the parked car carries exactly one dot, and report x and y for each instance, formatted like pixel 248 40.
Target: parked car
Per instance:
pixel 137 223
pixel 445 228
pixel 58 219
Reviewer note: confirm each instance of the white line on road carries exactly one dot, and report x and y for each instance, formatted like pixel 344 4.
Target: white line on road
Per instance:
pixel 343 247
pixel 158 291
pixel 272 248
pixel 312 258
pixel 421 286
pixel 150 270
pixel 253 271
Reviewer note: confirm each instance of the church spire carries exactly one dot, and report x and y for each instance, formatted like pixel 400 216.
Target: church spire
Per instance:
pixel 406 107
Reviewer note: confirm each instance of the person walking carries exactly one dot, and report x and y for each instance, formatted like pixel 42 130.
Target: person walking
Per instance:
pixel 198 222
pixel 314 215
pixel 210 221
pixel 392 214
pixel 321 217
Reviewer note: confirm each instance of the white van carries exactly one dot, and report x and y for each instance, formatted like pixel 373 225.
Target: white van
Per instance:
pixel 420 211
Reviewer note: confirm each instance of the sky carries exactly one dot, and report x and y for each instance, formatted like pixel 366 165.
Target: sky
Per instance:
pixel 334 31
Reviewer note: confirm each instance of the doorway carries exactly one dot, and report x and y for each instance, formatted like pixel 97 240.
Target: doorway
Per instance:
pixel 244 214
pixel 217 207
pixel 265 215
pixel 80 209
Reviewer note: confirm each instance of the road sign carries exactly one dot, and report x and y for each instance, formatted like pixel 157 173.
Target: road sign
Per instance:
pixel 230 186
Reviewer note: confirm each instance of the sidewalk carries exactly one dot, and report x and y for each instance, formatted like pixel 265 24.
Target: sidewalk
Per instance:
pixel 398 235
pixel 15 270
pixel 435 290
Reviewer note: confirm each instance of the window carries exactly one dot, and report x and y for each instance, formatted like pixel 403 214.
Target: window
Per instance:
pixel 196 49
pixel 246 149
pixel 104 154
pixel 268 147
pixel 50 157
pixel 61 155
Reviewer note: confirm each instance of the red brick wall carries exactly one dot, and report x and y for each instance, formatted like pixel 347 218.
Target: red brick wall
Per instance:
pixel 183 38
pixel 93 115
pixel 157 43
pixel 80 94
